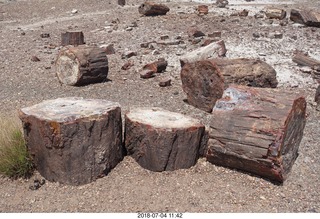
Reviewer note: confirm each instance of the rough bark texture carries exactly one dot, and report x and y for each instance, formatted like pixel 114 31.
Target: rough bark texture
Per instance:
pixel 213 50
pixel 248 72
pixel 276 13
pixel 160 140
pixel 82 65
pixel 305 60
pixel 257 130
pixel 72 140
pixel 203 84
pixel 72 38
pixel 153 9
pixel 309 18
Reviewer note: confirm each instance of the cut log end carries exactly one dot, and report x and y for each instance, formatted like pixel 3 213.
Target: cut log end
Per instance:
pixel 161 140
pixel 73 140
pixel 67 70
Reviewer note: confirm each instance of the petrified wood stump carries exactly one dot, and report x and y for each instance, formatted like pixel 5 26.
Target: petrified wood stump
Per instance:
pixel 73 140
pixel 257 130
pixel 248 72
pixel 72 38
pixel 161 140
pixel 82 65
pixel 203 84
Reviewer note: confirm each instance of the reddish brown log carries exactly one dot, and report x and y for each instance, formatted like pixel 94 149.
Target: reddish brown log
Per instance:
pixel 309 18
pixel 203 84
pixel 257 130
pixel 248 72
pixel 73 140
pixel 161 140
pixel 157 66
pixel 82 65
pixel 72 38
pixel 153 9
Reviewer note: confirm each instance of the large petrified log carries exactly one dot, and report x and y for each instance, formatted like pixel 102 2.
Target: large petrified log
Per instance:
pixel 153 9
pixel 213 50
pixel 82 65
pixel 203 84
pixel 161 140
pixel 73 140
pixel 257 130
pixel 248 72
pixel 306 17
pixel 72 38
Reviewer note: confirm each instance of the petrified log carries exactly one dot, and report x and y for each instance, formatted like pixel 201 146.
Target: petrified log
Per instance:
pixel 276 13
pixel 203 84
pixel 213 50
pixel 73 140
pixel 306 17
pixel 72 38
pixel 305 60
pixel 153 9
pixel 248 72
pixel 161 140
pixel 257 130
pixel 82 65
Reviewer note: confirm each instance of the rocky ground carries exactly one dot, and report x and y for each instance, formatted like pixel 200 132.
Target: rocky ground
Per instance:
pixel 128 187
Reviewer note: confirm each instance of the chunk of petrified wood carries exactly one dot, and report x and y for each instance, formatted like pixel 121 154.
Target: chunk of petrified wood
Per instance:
pixel 257 130
pixel 82 65
pixel 72 38
pixel 121 2
pixel 249 72
pixel 161 140
pixel 157 66
pixel 203 84
pixel 305 60
pixel 306 17
pixel 276 13
pixel 203 9
pixel 153 9
pixel 213 50
pixel 73 140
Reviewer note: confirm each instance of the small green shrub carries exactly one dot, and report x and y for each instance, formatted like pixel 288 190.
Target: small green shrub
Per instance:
pixel 15 161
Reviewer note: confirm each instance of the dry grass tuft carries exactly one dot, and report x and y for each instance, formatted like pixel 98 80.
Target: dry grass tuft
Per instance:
pixel 15 161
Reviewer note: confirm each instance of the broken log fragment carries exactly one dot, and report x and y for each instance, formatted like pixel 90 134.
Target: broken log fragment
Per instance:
pixel 276 13
pixel 73 140
pixel 308 18
pixel 213 50
pixel 248 72
pixel 305 60
pixel 82 65
pixel 161 140
pixel 157 66
pixel 153 9
pixel 257 130
pixel 203 84
pixel 72 38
